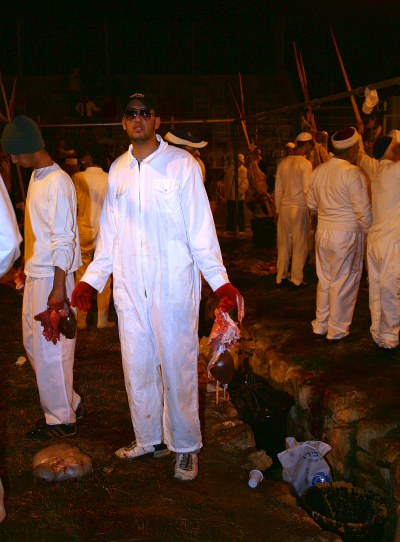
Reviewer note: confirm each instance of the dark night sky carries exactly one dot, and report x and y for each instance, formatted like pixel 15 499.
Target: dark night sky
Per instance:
pixel 148 37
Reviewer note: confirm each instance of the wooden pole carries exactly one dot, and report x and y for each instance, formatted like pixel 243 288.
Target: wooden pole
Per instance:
pixel 299 71
pixel 240 115
pixel 353 100
pixel 12 99
pixel 21 184
pixel 312 120
pixel 241 95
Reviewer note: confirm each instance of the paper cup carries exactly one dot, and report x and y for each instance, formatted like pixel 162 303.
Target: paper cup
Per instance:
pixel 255 478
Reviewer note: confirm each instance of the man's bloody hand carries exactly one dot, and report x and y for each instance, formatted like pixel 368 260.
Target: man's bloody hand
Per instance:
pixel 82 296
pixel 228 296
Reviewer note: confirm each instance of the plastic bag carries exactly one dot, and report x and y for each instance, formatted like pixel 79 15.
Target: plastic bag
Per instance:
pixel 304 464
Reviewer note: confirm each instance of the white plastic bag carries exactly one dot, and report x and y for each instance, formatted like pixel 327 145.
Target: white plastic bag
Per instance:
pixel 304 464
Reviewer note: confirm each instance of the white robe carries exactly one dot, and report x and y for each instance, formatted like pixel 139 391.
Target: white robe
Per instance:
pixel 338 193
pixel 383 250
pixel 91 188
pixel 291 187
pixel 156 234
pixel 10 238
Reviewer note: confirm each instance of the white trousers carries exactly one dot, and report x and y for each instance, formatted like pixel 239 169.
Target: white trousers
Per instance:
pixel 103 299
pixel 292 242
pixel 159 358
pixel 52 363
pixel 339 262
pixel 384 285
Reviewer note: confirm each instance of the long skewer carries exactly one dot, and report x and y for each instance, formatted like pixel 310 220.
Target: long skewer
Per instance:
pixel 353 100
pixel 312 120
pixel 240 115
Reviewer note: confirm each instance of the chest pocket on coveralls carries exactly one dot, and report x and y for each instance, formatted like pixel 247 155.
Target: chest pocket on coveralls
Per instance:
pixel 166 196
pixel 120 202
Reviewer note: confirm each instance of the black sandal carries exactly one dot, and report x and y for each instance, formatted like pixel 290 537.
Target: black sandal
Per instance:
pixel 47 432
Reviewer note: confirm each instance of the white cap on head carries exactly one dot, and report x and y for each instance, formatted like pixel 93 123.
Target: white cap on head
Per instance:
pixel 240 157
pixel 304 136
pixel 343 139
pixel 395 134
pixel 71 161
pixel 290 144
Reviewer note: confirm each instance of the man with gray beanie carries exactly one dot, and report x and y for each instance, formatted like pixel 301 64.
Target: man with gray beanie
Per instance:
pixel 52 254
pixel 383 250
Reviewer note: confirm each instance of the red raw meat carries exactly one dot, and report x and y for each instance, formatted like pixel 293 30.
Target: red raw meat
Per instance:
pixel 49 320
pixel 224 331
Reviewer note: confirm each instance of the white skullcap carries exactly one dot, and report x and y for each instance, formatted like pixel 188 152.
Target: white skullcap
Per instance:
pixel 240 157
pixel 71 161
pixel 70 152
pixel 395 134
pixel 345 138
pixel 290 144
pixel 304 136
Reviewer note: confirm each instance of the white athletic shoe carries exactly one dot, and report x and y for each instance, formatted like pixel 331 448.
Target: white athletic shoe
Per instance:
pixel 133 451
pixel 186 466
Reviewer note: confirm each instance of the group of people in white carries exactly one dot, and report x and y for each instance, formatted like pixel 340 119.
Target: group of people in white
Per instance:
pixel 149 224
pixel 354 196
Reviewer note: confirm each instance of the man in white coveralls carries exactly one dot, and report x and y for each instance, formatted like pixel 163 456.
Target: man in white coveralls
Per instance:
pixel 338 193
pixel 156 235
pixel 52 254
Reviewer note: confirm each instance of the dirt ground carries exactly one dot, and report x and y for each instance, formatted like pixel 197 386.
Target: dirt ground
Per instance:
pixel 124 501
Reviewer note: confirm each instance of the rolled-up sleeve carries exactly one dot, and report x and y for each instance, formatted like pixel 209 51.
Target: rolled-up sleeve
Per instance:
pixel 62 221
pixel 10 237
pixel 200 228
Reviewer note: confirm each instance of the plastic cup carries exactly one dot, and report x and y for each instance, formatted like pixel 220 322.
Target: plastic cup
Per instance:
pixel 255 478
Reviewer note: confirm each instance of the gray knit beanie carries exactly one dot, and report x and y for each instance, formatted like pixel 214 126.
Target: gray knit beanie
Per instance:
pixel 22 136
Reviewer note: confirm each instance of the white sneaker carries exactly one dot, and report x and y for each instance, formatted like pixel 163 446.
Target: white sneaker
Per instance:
pixel 186 466
pixel 137 452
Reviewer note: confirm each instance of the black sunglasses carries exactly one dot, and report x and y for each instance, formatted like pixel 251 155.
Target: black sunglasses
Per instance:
pixel 145 114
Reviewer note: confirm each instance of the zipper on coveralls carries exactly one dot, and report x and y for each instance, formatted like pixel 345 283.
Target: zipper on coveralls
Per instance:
pixel 141 227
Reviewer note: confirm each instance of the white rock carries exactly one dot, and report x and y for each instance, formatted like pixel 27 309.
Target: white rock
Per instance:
pixel 20 361
pixel 60 462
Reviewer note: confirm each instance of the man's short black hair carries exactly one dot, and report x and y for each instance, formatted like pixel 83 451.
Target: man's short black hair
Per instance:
pixel 97 152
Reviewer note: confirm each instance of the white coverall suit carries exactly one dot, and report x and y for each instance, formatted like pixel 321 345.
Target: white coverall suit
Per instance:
pixel 338 192
pixel 91 188
pixel 156 235
pixel 383 250
pixel 51 239
pixel 291 187
pixel 10 238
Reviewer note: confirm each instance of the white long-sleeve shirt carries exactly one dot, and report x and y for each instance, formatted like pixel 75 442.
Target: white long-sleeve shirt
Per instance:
pixel 385 194
pixel 10 238
pixel 229 182
pixel 338 193
pixel 51 233
pixel 292 182
pixel 156 229
pixel 91 188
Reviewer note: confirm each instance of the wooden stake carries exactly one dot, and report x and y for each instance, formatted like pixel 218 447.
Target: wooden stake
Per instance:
pixel 21 184
pixel 12 99
pixel 312 119
pixel 353 100
pixel 241 94
pixel 240 115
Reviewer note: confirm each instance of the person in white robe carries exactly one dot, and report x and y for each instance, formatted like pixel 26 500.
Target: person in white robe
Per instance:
pixel 291 187
pixel 383 246
pixel 91 188
pixel 338 194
